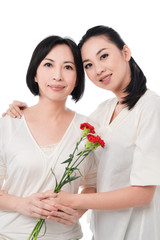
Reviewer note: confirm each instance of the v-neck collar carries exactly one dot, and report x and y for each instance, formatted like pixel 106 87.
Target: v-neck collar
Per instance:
pixel 116 121
pixel 58 145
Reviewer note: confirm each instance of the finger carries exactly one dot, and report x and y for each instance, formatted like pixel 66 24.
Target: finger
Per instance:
pixel 46 205
pixel 21 105
pixel 15 110
pixel 65 216
pixel 10 113
pixel 36 215
pixel 49 194
pixel 65 209
pixel 60 220
pixel 4 114
pixel 51 205
pixel 41 210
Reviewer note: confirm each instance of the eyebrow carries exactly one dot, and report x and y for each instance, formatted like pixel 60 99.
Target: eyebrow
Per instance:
pixel 100 51
pixel 69 62
pixel 64 61
pixel 49 59
pixel 87 60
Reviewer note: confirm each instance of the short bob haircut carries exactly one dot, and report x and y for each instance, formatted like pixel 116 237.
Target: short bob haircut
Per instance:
pixel 40 52
pixel 137 86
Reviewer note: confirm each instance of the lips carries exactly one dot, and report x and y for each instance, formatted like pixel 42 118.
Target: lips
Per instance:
pixel 56 87
pixel 105 79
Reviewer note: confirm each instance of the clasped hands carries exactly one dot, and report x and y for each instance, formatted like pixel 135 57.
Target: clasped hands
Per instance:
pixel 47 206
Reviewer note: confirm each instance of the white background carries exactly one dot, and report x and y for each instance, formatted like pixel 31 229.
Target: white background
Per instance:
pixel 23 24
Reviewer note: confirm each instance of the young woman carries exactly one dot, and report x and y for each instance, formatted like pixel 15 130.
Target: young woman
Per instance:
pixel 33 145
pixel 126 205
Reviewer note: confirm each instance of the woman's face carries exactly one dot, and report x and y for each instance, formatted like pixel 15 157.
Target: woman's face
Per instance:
pixel 56 75
pixel 106 65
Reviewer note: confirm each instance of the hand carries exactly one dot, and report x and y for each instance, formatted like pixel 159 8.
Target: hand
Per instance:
pixel 65 199
pixel 66 215
pixel 15 109
pixel 38 205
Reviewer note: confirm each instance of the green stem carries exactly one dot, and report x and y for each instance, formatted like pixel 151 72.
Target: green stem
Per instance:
pixel 58 188
pixel 38 226
pixel 78 159
pixel 36 230
pixel 83 158
pixel 65 173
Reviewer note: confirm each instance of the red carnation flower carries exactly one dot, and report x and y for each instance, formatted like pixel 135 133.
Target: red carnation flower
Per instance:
pixel 95 139
pixel 87 126
pixel 100 141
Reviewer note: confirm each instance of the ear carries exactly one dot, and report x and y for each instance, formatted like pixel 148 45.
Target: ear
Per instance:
pixel 126 53
pixel 35 79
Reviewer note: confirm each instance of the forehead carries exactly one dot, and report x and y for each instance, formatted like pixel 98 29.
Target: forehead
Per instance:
pixel 61 50
pixel 94 44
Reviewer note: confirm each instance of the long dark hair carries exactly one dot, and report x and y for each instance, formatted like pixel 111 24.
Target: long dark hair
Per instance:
pixel 137 86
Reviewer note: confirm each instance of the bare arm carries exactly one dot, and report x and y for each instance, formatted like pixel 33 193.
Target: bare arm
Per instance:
pixel 35 205
pixel 128 197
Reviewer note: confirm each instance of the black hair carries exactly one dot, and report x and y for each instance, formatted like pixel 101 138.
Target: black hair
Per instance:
pixel 40 52
pixel 137 86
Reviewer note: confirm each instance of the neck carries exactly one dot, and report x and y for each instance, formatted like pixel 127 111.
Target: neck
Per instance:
pixel 46 109
pixel 120 94
pixel 120 98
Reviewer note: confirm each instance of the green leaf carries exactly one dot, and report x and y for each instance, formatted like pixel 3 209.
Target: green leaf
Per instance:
pixel 67 161
pixel 73 178
pixel 54 177
pixel 79 171
pixel 70 179
pixel 78 154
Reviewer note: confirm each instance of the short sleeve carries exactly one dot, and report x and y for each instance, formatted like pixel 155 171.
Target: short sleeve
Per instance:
pixel 2 171
pixel 89 178
pixel 146 160
pixel 2 164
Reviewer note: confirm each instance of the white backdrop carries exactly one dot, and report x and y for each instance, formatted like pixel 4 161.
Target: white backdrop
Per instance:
pixel 23 24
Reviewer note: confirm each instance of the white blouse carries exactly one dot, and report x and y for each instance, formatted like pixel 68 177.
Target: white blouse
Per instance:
pixel 25 169
pixel 131 157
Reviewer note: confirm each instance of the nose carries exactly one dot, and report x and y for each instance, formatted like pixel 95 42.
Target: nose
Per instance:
pixel 100 68
pixel 57 74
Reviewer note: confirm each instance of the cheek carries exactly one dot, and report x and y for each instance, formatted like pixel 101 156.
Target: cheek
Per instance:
pixel 72 80
pixel 90 75
pixel 122 68
pixel 40 77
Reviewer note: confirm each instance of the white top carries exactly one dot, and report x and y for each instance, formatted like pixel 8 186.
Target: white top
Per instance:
pixel 131 157
pixel 49 148
pixel 27 169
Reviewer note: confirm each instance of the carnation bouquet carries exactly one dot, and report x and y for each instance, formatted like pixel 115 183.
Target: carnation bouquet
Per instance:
pixel 71 171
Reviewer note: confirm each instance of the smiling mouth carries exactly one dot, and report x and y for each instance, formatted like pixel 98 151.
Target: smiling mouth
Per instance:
pixel 106 79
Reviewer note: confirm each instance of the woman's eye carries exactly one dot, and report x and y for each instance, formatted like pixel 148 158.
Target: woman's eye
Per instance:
pixel 68 67
pixel 87 66
pixel 104 56
pixel 48 64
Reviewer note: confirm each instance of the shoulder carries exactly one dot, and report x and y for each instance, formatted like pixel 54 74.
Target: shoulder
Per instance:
pixel 80 118
pixel 9 125
pixel 7 121
pixel 147 112
pixel 102 110
pixel 149 102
